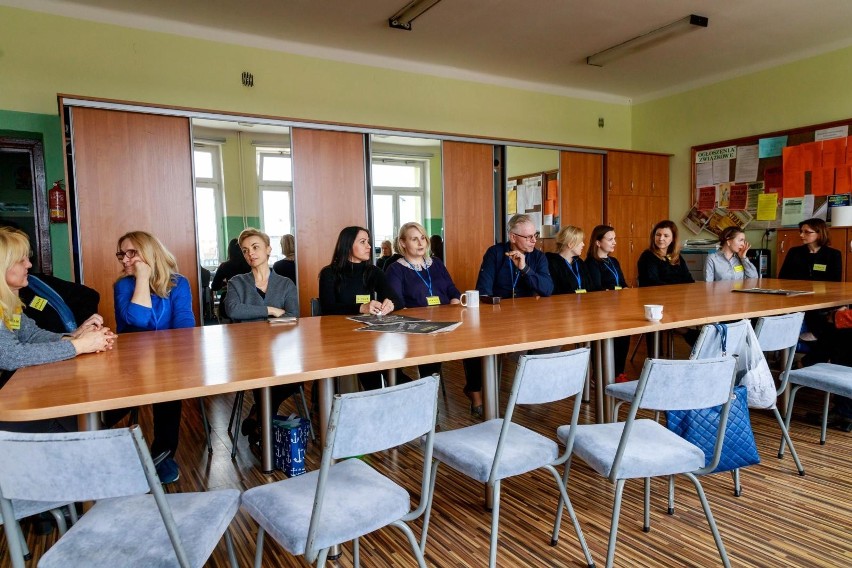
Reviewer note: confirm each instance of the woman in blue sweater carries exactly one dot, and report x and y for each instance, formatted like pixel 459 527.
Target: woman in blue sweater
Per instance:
pixel 419 279
pixel 151 296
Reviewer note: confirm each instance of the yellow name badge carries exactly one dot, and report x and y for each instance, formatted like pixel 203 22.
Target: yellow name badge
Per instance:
pixel 738 268
pixel 15 322
pixel 580 291
pixel 433 301
pixel 362 299
pixel 820 267
pixel 38 303
pixel 617 288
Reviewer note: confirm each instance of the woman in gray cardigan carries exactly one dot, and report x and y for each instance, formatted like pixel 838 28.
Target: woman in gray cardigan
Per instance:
pixel 730 261
pixel 256 296
pixel 22 342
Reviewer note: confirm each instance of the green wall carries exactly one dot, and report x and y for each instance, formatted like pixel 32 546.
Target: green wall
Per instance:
pixel 805 92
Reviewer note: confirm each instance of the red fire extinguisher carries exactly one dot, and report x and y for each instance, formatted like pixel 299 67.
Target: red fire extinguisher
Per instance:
pixel 58 203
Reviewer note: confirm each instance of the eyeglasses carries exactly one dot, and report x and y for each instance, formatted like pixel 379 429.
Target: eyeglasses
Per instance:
pixel 129 253
pixel 531 238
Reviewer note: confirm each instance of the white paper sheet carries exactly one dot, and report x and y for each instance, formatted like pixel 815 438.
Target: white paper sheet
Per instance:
pixel 721 171
pixel 746 167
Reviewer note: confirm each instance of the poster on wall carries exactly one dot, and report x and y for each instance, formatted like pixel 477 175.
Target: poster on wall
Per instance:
pixel 695 220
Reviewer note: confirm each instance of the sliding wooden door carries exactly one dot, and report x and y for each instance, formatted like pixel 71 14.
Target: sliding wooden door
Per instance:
pixel 330 192
pixel 468 209
pixel 133 171
pixel 581 194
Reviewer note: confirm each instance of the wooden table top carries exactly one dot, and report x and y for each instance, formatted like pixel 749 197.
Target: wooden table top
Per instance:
pixel 186 363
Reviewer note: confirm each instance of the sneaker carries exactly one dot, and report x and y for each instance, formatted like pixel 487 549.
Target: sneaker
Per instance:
pixel 167 471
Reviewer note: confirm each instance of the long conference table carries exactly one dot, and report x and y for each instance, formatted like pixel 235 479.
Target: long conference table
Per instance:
pixel 161 366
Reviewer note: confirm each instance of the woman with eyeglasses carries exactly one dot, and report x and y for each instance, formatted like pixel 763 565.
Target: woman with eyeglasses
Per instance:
pixel 814 260
pixel 256 296
pixel 351 284
pixel 605 274
pixel 567 269
pixel 730 261
pixel 22 342
pixel 150 295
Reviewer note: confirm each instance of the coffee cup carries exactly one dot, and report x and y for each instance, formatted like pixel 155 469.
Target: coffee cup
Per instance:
pixel 653 312
pixel 470 299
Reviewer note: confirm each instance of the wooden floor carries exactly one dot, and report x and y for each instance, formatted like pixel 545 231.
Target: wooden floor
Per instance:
pixel 781 519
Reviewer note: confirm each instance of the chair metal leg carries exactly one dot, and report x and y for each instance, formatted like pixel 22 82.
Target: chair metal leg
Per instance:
pixel 566 500
pixel 72 512
pixel 14 538
pixel 558 521
pixel 206 425
pixel 646 527
pixel 615 408
pixel 735 475
pixel 238 408
pixel 59 517
pixel 786 435
pixel 428 513
pixel 258 551
pixel 707 513
pixel 412 541
pixel 613 527
pixel 356 552
pixel 323 555
pixel 824 419
pixel 229 544
pixel 789 415
pixel 495 524
pixel 670 510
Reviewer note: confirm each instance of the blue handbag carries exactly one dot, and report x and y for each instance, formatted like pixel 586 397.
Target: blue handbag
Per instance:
pixel 699 427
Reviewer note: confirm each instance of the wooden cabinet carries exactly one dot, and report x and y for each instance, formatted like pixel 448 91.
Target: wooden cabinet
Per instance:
pixel 637 198
pixel 581 180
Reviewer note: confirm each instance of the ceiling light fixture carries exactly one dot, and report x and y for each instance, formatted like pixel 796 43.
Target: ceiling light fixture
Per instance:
pixel 403 18
pixel 691 22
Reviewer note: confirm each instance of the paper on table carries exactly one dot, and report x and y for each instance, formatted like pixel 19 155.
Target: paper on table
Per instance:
pixel 746 166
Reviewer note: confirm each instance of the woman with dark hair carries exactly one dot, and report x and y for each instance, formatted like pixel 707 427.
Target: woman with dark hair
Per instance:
pixel 351 285
pixel 605 274
pixel 236 264
pixel 730 261
pixel 814 259
pixel 661 264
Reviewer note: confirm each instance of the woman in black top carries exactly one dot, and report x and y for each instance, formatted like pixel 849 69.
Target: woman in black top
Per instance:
pixel 236 264
pixel 351 285
pixel 605 274
pixel 661 264
pixel 567 269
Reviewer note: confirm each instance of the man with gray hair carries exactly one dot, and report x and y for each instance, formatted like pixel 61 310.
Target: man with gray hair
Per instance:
pixel 515 269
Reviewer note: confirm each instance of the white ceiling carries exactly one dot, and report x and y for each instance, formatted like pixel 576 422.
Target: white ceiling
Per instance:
pixel 532 44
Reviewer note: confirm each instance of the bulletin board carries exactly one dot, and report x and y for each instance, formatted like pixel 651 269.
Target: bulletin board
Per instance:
pixel 536 195
pixel 771 180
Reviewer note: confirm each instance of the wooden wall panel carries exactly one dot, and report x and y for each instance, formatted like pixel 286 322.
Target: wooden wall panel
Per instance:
pixel 133 172
pixel 330 192
pixel 468 209
pixel 581 191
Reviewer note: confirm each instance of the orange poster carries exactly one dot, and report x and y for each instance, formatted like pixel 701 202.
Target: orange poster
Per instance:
pixel 833 152
pixel 843 179
pixel 822 181
pixel 794 184
pixel 552 190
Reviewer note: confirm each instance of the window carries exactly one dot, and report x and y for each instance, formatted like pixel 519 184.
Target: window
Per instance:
pixel 399 193
pixel 275 183
pixel 209 210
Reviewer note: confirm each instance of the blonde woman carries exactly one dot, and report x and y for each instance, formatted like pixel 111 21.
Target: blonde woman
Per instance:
pixel 286 267
pixel 567 269
pixel 151 295
pixel 22 342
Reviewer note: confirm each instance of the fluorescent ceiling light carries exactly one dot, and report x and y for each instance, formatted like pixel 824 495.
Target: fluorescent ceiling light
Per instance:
pixel 403 18
pixel 691 22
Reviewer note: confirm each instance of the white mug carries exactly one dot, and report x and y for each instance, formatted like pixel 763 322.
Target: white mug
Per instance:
pixel 653 312
pixel 470 299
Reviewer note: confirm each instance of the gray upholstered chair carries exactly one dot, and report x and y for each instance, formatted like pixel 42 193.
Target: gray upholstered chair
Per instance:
pixel 707 345
pixel 494 450
pixel 133 522
pixel 346 500
pixel 643 448
pixel 23 509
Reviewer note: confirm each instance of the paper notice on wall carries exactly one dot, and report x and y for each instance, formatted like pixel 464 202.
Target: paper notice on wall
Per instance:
pixel 721 219
pixel 792 211
pixel 721 171
pixel 695 220
pixel 738 197
pixel 511 202
pixel 707 198
pixel 724 194
pixel 536 219
pixel 771 147
pixel 704 174
pixel 714 154
pixel 829 133
pixel 767 206
pixel 746 166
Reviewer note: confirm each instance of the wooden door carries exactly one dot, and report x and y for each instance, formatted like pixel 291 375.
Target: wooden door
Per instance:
pixel 468 209
pixel 617 173
pixel 640 174
pixel 581 193
pixel 837 236
pixel 330 193
pixel 133 171
pixel 785 238
pixel 660 176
